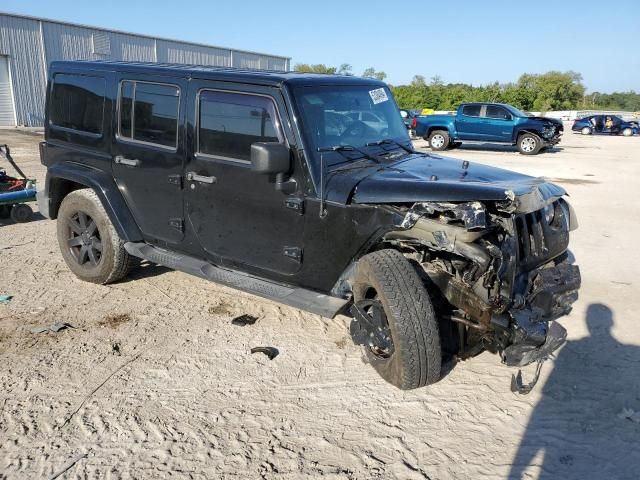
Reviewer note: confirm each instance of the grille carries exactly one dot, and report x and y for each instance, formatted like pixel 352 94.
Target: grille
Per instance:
pixel 539 241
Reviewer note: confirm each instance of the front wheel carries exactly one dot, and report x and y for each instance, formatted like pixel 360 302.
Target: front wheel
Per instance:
pixel 627 132
pixel 529 144
pixel 438 140
pixel 401 336
pixel 585 131
pixel 89 243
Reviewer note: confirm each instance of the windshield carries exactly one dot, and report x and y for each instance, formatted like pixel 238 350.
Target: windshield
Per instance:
pixel 348 115
pixel 517 112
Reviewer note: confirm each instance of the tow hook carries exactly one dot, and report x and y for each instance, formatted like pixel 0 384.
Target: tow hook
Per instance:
pixel 516 380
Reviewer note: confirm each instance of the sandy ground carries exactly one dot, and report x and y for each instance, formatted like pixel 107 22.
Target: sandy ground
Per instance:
pixel 154 381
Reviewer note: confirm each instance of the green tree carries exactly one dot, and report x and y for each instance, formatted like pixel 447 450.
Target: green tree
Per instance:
pixel 372 73
pixel 345 69
pixel 418 81
pixel 317 68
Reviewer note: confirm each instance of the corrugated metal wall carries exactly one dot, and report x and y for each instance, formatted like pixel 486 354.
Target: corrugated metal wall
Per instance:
pixel 31 44
pixel 20 41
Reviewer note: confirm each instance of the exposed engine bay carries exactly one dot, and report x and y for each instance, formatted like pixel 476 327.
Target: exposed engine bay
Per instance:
pixel 503 273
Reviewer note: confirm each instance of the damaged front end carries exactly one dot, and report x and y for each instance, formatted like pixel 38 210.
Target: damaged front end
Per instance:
pixel 502 270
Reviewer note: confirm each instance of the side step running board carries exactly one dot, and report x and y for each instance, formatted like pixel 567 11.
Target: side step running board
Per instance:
pixel 300 298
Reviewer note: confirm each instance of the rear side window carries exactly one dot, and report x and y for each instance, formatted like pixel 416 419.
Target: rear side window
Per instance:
pixel 494 111
pixel 149 113
pixel 229 123
pixel 471 110
pixel 77 103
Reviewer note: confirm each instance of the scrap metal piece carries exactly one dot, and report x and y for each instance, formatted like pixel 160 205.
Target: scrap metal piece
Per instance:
pixel 54 327
pixel 270 352
pixel 517 386
pixel 244 320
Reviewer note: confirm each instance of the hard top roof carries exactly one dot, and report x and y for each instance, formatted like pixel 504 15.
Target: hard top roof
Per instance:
pixel 259 77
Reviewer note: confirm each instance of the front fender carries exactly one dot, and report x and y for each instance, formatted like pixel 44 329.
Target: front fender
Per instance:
pixel 64 177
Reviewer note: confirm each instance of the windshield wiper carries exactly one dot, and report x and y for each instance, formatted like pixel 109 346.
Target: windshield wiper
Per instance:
pixel 349 148
pixel 392 141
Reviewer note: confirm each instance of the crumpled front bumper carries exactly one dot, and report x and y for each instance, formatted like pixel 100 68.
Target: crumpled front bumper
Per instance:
pixel 534 334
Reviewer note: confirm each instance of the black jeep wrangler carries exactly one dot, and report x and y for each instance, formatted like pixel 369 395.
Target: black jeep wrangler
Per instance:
pixel 305 189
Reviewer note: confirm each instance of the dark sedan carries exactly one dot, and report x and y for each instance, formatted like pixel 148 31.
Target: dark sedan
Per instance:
pixel 605 124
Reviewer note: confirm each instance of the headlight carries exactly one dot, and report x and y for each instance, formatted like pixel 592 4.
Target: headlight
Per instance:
pixel 549 213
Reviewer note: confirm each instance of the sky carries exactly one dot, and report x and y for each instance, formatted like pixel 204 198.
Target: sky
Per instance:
pixel 466 41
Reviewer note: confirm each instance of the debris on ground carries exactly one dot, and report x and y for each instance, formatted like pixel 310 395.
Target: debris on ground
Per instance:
pixel 68 465
pixel 5 298
pixel 114 320
pixel 270 352
pixel 244 320
pixel 54 327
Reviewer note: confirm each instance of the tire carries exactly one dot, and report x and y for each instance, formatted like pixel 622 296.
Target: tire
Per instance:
pixel 529 144
pixel 89 243
pixel 438 140
pixel 21 212
pixel 627 132
pixel 388 277
pixel 585 131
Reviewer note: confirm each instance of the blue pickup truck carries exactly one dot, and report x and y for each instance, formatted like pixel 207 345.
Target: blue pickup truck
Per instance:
pixel 489 122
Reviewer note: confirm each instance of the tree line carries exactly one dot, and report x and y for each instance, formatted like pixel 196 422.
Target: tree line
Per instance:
pixel 531 92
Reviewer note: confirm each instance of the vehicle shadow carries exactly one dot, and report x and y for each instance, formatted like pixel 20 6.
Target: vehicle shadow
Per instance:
pixel 496 147
pixel 145 269
pixel 582 426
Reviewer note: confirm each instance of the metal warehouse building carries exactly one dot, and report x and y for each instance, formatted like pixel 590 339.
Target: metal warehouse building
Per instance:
pixel 29 44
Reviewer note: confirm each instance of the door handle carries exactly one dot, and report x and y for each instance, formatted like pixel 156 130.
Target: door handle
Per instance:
pixel 129 162
pixel 193 177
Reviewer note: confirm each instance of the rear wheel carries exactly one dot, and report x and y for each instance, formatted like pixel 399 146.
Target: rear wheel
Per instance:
pixel 405 347
pixel 529 144
pixel 89 243
pixel 627 132
pixel 585 131
pixel 438 140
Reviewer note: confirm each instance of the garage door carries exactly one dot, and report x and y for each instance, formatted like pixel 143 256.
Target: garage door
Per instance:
pixel 7 117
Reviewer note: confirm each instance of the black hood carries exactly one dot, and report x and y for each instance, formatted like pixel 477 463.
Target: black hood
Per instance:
pixel 423 178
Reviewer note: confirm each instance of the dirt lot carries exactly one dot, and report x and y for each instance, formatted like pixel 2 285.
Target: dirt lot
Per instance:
pixel 154 380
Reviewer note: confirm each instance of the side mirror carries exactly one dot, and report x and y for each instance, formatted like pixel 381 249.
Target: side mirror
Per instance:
pixel 270 158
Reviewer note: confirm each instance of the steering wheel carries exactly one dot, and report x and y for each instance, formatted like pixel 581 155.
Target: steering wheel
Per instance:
pixel 356 128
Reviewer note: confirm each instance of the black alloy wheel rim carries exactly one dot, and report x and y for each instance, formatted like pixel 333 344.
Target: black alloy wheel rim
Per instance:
pixel 378 318
pixel 84 240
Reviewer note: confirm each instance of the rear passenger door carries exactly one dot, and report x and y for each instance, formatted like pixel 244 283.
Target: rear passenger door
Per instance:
pixel 469 124
pixel 148 153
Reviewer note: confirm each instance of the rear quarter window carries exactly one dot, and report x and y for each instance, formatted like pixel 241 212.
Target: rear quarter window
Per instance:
pixel 77 103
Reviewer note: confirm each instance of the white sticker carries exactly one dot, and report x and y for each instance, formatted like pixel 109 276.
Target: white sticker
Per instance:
pixel 378 95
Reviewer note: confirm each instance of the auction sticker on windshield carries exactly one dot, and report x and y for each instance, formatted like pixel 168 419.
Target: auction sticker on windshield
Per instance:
pixel 378 95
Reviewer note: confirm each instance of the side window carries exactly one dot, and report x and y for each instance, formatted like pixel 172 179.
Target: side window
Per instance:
pixel 471 110
pixel 149 112
pixel 77 103
pixel 229 123
pixel 494 111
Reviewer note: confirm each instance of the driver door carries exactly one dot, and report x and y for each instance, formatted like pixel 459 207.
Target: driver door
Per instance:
pixel 238 217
